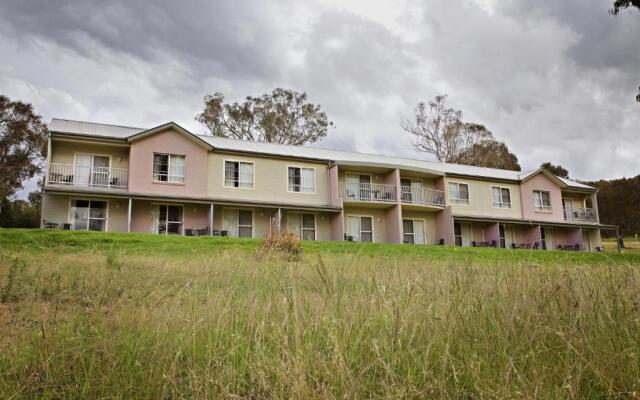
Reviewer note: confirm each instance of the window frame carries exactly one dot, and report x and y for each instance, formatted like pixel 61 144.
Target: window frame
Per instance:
pixel 166 233
pixel 542 208
pixel 70 214
pixel 169 176
pixel 224 173
pixel 300 186
pixel 303 229
pixel 413 226
pixel 253 222
pixel 501 204
pixel 360 216
pixel 458 201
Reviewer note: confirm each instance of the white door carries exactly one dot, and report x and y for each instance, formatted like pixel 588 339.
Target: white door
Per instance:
pixel 230 221
pixel 293 223
pixel 508 236
pixel 418 232
pixel 83 170
pixel 353 186
pixel 416 191
pixel 100 171
pixel 466 234
pixel 353 228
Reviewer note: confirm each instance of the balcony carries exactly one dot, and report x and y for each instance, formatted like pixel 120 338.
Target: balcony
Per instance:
pixel 420 196
pixel 368 192
pixel 580 214
pixel 81 176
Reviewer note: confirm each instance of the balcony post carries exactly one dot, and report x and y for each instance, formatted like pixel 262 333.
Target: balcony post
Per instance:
pixel 211 219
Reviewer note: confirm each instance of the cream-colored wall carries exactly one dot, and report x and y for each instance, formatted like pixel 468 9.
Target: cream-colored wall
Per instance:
pixel 576 199
pixel 375 178
pixel 426 183
pixel 56 209
pixel 379 216
pixel 481 201
pixel 64 152
pixel 270 180
pixel 430 223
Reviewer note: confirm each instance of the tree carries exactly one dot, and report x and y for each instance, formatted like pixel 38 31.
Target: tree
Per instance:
pixel 557 170
pixel 440 131
pixel 283 116
pixel 617 200
pixel 619 5
pixel 489 154
pixel 23 138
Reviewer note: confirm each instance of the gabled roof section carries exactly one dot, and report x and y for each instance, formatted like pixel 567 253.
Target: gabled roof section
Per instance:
pixel 564 183
pixel 170 125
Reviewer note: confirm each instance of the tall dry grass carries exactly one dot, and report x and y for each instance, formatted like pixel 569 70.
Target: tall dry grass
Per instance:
pixel 238 325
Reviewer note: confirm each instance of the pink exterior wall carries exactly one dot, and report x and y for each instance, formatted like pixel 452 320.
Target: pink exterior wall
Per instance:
pixel 492 232
pixel 568 236
pixel 337 226
pixel 334 196
pixel 393 220
pixel 444 221
pixel 168 142
pixel 532 234
pixel 541 182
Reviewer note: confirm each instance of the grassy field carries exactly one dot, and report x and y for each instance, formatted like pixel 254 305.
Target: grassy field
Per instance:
pixel 87 315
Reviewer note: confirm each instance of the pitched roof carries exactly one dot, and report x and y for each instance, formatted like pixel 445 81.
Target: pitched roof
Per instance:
pixel 310 152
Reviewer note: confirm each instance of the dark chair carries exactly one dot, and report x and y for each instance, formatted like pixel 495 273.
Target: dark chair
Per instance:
pixel 202 232
pixel 348 238
pixel 51 225
pixel 440 242
pixel 225 233
pixel 536 245
pixel 66 227
pixel 577 247
pixel 599 249
pixel 189 232
pixel 494 243
pixel 474 244
pixel 559 247
pixel 513 246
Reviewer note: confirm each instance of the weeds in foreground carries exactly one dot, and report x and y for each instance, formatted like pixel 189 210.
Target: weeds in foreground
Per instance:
pixel 98 325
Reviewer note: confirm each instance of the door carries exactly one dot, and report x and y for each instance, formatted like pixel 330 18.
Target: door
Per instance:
pixel 365 186
pixel 353 186
pixel 230 221
pixel 245 223
pixel 466 234
pixel 406 192
pixel 409 234
pixel 169 220
pixel 82 170
pixel 509 236
pixel 418 232
pixel 293 224
pixel 503 237
pixel 567 206
pixel 353 228
pixel 100 171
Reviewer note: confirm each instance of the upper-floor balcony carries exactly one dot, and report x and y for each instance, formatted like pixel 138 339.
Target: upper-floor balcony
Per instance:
pixel 580 214
pixel 420 196
pixel 88 176
pixel 368 192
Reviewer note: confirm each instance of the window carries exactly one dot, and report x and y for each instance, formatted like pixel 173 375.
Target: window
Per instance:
pixel 245 223
pixel 302 180
pixel 238 174
pixel 89 215
pixel 458 193
pixel 542 201
pixel 411 190
pixel 503 237
pixel 360 228
pixel 168 168
pixel 308 227
pixel 501 197
pixel 413 231
pixel 169 220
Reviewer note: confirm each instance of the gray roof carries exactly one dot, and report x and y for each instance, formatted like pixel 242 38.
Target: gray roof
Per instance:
pixel 339 157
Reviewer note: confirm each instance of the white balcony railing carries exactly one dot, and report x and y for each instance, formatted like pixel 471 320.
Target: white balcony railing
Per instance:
pixel 415 195
pixel 368 192
pixel 579 214
pixel 101 177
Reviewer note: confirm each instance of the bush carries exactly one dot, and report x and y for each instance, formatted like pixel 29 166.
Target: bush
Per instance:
pixel 285 243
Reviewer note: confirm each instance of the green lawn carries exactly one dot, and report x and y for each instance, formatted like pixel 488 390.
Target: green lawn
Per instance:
pixel 91 315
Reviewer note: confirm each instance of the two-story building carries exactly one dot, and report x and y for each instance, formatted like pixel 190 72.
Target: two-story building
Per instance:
pixel 167 180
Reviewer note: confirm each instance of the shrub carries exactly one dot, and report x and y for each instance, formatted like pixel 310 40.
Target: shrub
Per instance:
pixel 285 243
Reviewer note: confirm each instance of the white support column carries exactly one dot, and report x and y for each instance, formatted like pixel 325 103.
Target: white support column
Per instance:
pixel 211 219
pixel 129 215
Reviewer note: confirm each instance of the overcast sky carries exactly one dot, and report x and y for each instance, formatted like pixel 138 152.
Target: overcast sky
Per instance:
pixel 555 80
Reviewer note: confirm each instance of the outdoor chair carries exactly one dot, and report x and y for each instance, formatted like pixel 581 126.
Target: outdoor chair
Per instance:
pixel 189 232
pixel 51 225
pixel 440 242
pixel 202 232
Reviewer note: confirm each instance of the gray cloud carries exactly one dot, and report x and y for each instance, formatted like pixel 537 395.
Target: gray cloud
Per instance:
pixel 554 79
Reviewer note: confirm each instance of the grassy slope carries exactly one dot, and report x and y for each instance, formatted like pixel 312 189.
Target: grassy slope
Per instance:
pixel 85 315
